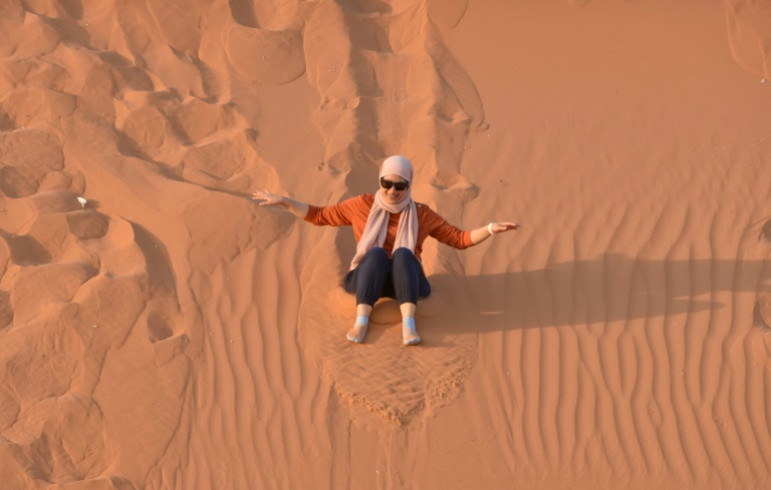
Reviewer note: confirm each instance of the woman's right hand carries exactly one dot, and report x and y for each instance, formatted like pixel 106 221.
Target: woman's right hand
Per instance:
pixel 267 198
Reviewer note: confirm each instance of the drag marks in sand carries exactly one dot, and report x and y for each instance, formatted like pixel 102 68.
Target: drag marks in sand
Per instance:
pixel 399 91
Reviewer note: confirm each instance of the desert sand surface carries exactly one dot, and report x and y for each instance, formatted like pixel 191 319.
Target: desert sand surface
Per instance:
pixel 158 330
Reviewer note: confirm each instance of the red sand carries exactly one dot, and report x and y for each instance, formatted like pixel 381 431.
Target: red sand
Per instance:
pixel 168 333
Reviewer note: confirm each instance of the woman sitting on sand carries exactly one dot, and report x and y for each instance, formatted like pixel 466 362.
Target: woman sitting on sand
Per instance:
pixel 389 228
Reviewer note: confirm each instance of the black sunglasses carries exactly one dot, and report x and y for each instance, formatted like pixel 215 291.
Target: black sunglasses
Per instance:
pixel 399 186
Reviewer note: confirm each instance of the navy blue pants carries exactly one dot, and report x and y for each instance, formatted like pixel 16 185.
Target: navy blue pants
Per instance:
pixel 377 276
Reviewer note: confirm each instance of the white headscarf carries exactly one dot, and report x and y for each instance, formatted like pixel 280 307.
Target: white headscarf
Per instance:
pixel 377 222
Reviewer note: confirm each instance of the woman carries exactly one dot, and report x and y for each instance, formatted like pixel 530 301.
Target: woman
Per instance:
pixel 389 228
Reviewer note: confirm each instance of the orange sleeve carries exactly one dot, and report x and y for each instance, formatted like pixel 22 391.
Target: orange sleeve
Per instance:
pixel 340 214
pixel 446 233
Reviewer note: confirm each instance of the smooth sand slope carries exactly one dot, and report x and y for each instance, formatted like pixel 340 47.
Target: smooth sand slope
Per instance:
pixel 158 330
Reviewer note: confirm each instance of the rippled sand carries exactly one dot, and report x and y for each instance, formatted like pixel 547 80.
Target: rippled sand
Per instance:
pixel 158 330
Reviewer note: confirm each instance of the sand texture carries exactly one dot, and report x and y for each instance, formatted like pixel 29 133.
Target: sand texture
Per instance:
pixel 158 330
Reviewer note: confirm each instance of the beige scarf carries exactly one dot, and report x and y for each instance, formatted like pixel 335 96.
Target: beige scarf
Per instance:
pixel 377 222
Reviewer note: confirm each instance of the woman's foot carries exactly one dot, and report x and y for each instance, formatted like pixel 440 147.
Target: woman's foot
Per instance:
pixel 410 337
pixel 359 330
pixel 409 333
pixel 357 334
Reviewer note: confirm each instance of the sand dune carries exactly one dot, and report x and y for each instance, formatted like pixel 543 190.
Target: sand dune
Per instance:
pixel 158 330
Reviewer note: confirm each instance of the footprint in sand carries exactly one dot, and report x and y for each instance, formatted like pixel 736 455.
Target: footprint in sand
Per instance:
pixel 27 156
pixel 265 57
pixel 15 184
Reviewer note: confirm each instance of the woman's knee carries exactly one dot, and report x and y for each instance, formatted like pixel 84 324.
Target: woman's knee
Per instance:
pixel 375 257
pixel 404 255
pixel 376 253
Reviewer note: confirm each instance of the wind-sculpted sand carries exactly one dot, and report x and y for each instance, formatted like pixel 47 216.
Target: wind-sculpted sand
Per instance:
pixel 159 330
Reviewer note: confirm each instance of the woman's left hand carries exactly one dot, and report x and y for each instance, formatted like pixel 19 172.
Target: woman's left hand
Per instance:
pixel 504 226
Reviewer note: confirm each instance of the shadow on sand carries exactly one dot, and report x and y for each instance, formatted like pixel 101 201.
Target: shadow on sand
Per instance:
pixel 611 288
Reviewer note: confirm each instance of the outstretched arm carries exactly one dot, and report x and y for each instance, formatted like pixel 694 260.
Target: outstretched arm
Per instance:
pixel 482 233
pixel 265 198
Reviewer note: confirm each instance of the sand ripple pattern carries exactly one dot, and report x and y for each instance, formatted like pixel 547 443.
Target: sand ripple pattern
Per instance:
pixel 167 334
pixel 602 376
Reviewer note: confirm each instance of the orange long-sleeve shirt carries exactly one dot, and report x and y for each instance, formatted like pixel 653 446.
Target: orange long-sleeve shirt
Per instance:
pixel 354 212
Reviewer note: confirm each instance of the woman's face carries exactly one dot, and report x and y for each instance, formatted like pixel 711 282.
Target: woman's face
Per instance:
pixel 393 195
